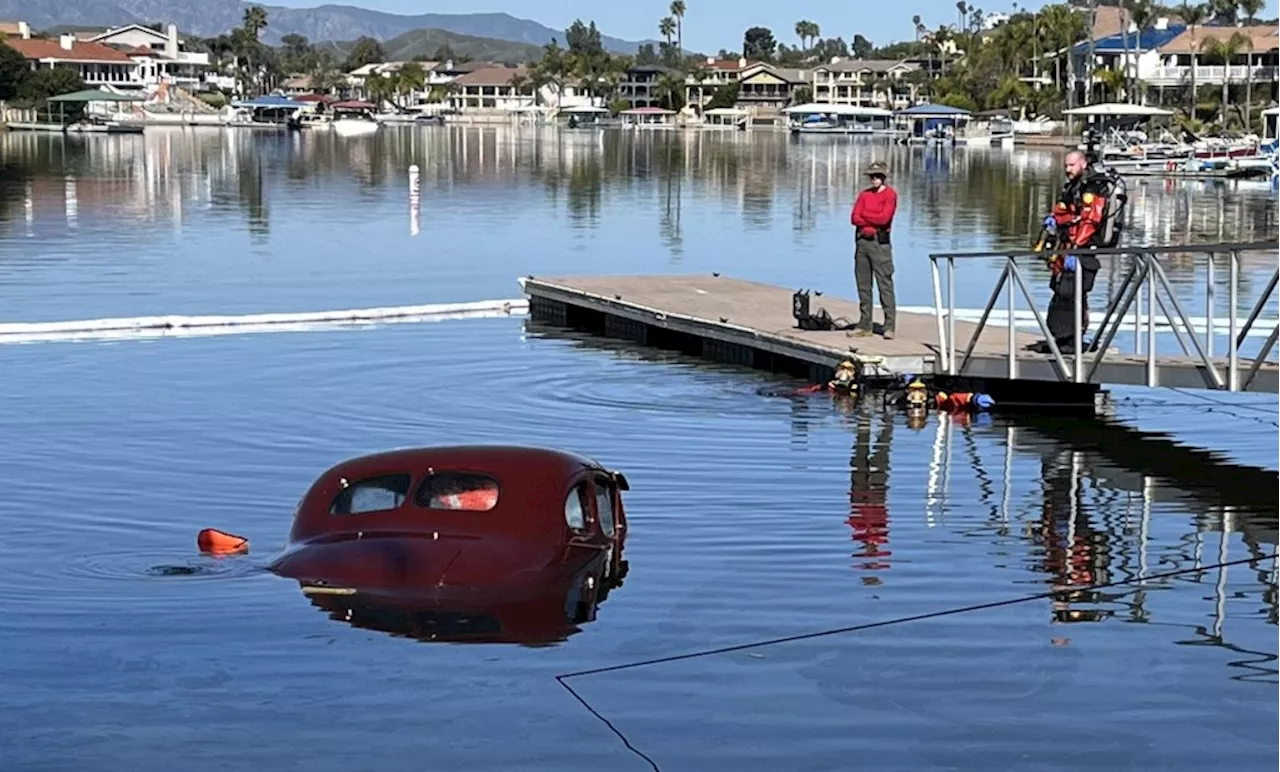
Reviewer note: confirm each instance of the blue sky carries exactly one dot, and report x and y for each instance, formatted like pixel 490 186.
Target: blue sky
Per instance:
pixel 709 25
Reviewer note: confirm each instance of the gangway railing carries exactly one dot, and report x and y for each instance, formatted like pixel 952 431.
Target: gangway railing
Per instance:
pixel 1144 272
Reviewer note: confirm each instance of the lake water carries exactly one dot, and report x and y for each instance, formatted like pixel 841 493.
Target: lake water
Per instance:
pixel 752 517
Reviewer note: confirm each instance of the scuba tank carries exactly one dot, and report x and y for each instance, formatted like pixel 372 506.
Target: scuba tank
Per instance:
pixel 1116 193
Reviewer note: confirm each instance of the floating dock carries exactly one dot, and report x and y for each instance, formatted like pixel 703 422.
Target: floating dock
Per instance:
pixel 730 320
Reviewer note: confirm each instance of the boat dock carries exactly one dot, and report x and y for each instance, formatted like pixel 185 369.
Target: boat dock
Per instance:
pixel 733 321
pixel 730 320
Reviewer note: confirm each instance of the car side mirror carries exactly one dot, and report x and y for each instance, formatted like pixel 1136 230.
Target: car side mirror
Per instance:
pixel 620 480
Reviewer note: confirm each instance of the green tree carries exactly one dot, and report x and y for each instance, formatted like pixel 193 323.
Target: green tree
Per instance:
pixel 13 66
pixel 758 44
pixel 365 51
pixel 725 96
pixel 583 40
pixel 39 85
pixel 296 53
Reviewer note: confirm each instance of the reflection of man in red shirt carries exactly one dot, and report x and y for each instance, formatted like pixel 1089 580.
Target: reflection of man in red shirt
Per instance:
pixel 869 481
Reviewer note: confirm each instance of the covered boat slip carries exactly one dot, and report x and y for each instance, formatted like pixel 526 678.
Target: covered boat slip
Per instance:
pixel 934 124
pixel 585 117
pixel 725 119
pixel 69 113
pixel 822 118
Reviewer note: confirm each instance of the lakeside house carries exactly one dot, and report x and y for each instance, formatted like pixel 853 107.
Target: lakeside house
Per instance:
pixel 765 90
pixel 639 85
pixel 1161 56
pixel 128 58
pixel 865 83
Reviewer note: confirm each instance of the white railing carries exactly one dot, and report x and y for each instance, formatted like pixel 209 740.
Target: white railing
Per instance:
pixel 1213 74
pixel 1144 273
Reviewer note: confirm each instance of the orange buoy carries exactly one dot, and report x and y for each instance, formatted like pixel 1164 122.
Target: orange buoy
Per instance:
pixel 217 542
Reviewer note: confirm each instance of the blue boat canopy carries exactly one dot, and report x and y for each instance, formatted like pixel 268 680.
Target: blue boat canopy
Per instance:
pixel 931 110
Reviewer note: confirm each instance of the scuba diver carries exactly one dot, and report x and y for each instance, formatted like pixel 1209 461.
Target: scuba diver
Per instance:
pixel 843 383
pixel 1088 215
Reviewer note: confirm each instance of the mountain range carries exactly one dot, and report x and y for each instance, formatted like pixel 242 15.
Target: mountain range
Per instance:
pixel 207 18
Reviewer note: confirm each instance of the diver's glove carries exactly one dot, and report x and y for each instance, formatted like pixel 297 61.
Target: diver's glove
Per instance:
pixel 1050 224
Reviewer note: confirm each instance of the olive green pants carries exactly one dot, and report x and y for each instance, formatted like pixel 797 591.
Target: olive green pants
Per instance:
pixel 872 259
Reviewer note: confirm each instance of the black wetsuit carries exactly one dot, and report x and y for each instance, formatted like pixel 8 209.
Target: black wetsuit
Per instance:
pixel 1061 314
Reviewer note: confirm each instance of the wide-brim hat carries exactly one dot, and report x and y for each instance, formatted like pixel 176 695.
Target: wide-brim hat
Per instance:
pixel 878 168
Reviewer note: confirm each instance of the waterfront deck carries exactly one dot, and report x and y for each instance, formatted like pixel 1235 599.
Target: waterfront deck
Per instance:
pixel 748 323
pixel 734 311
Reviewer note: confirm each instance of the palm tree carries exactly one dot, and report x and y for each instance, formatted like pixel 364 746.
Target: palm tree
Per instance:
pixel 255 20
pixel 677 10
pixel 963 8
pixel 918 24
pixel 940 38
pixel 1142 13
pixel 380 89
pixel 1193 16
pixel 1250 9
pixel 1112 82
pixel 670 90
pixel 807 31
pixel 410 78
pixel 667 28
pixel 1226 50
pixel 519 82
pixel 1062 28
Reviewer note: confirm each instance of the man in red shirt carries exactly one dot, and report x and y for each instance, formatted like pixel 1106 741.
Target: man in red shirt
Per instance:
pixel 872 219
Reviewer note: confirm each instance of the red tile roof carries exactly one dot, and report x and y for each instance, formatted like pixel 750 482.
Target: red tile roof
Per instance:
pixel 40 48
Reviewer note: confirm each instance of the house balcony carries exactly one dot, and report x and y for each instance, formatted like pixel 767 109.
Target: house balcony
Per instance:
pixel 1211 75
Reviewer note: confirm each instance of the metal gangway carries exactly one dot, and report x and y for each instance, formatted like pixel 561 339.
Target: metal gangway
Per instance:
pixel 1145 287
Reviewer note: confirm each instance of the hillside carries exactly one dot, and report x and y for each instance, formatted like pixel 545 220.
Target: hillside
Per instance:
pixel 326 22
pixel 426 42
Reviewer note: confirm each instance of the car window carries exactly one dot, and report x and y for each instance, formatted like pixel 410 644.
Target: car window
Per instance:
pixel 575 508
pixel 466 491
pixel 372 494
pixel 604 504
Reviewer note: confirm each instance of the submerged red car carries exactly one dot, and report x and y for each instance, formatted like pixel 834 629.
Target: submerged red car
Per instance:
pixel 481 543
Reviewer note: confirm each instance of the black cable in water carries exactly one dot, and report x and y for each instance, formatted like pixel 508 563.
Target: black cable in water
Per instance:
pixel 563 677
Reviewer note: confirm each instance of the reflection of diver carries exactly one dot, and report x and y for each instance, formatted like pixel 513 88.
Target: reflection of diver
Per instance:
pixel 868 489
pixel 1075 553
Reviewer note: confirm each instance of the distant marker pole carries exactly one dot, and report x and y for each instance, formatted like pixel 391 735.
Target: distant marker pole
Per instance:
pixel 415 189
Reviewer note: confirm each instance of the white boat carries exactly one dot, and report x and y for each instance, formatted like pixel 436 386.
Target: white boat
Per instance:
pixel 354 118
pixel 648 119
